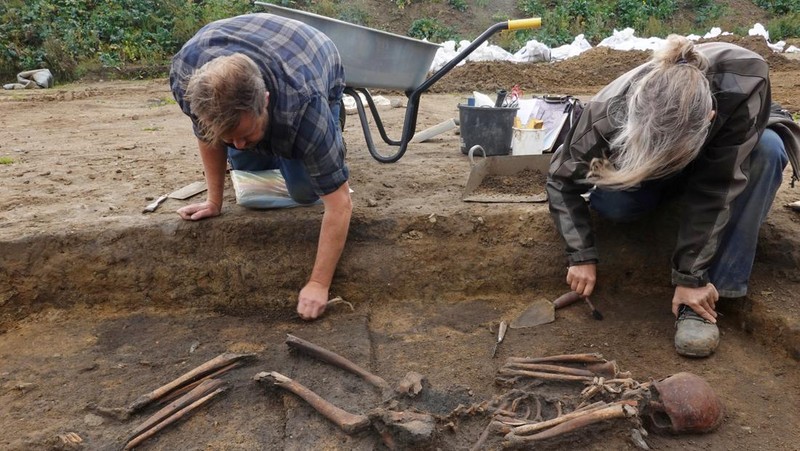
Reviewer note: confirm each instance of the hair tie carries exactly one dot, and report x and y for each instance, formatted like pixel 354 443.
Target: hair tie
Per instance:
pixel 682 61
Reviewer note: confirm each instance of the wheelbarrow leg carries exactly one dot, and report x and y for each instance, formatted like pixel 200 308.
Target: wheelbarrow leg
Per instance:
pixel 410 123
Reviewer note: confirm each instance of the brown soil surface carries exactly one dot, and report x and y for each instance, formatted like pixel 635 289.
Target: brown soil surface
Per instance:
pixel 100 303
pixel 527 182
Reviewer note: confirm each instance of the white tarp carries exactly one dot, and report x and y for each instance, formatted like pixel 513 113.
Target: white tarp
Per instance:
pixel 534 51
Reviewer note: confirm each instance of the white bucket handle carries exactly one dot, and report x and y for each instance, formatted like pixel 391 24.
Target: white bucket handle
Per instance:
pixel 472 151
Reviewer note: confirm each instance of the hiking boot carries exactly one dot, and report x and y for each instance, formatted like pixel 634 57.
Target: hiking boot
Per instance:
pixel 695 336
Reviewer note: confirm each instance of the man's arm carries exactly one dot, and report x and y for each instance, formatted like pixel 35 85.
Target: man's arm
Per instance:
pixel 332 236
pixel 215 162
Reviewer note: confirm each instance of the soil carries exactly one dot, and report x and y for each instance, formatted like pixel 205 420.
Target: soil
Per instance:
pixel 527 182
pixel 101 303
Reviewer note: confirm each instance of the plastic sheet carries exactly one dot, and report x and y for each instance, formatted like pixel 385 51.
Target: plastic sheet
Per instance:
pixel 262 190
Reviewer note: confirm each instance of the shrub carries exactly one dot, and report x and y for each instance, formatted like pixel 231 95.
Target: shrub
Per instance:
pixel 354 14
pixel 458 5
pixel 64 35
pixel 779 7
pixel 784 27
pixel 432 30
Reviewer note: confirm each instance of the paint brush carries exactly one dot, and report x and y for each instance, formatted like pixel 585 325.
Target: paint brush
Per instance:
pixel 595 313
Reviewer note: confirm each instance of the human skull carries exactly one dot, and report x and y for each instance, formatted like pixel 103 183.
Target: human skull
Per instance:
pixel 683 403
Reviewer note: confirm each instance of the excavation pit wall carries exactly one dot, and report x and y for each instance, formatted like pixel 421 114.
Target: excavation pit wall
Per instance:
pixel 254 263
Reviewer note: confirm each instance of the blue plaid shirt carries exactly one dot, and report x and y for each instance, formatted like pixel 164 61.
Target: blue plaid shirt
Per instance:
pixel 304 76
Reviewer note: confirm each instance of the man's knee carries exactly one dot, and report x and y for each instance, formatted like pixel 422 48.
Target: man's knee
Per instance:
pixel 302 194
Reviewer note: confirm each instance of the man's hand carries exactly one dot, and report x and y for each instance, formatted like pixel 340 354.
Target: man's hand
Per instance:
pixel 195 212
pixel 582 278
pixel 312 301
pixel 702 300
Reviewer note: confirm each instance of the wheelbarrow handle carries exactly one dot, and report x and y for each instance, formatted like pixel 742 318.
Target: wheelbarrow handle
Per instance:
pixel 524 24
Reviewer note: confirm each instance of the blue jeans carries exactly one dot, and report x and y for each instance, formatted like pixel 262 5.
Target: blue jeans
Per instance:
pixel 298 182
pixel 731 267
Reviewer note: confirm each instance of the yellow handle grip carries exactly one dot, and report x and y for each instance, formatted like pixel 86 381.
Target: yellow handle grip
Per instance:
pixel 522 24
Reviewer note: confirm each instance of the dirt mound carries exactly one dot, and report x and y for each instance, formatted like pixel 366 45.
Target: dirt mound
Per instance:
pixel 583 74
pixel 777 62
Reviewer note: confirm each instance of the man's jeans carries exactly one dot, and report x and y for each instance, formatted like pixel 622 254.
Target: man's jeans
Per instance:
pixel 731 267
pixel 298 182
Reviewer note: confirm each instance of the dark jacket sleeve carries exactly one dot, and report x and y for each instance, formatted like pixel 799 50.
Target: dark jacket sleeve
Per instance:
pixel 565 182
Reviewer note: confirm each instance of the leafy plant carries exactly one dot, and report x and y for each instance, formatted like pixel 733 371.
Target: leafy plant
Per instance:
pixel 784 27
pixel 779 6
pixel 431 29
pixel 354 14
pixel 458 5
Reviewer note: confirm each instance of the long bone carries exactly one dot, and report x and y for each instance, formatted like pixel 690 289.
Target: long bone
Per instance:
pixel 320 353
pixel 348 422
pixel 175 411
pixel 547 376
pixel 535 427
pixel 222 360
pixel 549 369
pixel 564 358
pixel 586 418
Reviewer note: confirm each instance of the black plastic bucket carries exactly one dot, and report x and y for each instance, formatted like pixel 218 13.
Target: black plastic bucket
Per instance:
pixel 489 127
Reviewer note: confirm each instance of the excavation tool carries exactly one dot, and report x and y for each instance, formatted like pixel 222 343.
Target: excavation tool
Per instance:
pixel 572 297
pixel 381 60
pixel 501 334
pixel 180 194
pixel 540 311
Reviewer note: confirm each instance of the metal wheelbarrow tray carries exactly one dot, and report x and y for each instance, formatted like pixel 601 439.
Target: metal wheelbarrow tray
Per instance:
pixel 377 59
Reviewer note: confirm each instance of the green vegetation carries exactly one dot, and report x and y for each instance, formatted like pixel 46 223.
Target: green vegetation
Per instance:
pixel 458 5
pixel 136 38
pixel 71 37
pixel 432 30
pixel 6 160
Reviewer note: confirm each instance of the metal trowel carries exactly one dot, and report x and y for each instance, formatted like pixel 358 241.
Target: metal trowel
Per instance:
pixel 540 311
pixel 181 194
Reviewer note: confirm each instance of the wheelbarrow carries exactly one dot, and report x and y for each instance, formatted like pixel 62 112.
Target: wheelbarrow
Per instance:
pixel 380 60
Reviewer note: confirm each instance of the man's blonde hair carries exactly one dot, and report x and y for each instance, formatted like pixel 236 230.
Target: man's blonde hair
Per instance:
pixel 221 90
pixel 665 121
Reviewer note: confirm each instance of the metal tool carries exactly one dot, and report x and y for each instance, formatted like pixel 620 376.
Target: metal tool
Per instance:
pixel 181 194
pixel 501 334
pixel 595 313
pixel 151 207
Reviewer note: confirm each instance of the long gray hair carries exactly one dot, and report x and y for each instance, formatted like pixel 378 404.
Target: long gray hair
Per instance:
pixel 665 122
pixel 221 90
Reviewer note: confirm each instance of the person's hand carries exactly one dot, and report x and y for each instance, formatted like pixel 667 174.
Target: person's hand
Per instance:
pixel 582 278
pixel 702 300
pixel 202 210
pixel 312 301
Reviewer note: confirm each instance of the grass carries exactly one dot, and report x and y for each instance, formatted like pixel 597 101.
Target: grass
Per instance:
pixel 6 160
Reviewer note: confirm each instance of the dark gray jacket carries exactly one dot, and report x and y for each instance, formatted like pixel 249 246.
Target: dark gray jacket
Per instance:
pixel 739 80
